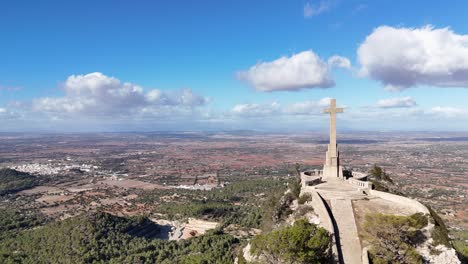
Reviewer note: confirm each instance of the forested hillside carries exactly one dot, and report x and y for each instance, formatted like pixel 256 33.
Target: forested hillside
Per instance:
pixel 13 181
pixel 101 237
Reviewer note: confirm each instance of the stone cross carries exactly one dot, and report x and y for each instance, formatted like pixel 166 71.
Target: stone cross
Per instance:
pixel 332 110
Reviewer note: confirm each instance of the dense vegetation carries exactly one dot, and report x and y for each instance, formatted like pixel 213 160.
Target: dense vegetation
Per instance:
pixel 12 181
pixel 302 242
pixel 253 203
pixel 394 238
pixel 460 243
pixel 12 221
pixel 101 237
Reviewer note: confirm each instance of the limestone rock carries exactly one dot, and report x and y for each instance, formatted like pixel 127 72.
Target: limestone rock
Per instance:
pixel 446 255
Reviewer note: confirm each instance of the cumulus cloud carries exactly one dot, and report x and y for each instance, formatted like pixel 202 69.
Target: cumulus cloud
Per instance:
pixel 98 94
pixel 314 10
pixel 301 70
pixel 401 102
pixel 405 57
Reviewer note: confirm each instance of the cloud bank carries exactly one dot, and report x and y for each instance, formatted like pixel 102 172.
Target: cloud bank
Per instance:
pixel 6 114
pixel 401 102
pixel 302 70
pixel 450 112
pixel 275 109
pixel 406 57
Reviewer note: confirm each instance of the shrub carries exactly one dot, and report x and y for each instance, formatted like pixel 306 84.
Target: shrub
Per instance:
pixel 418 220
pixel 306 197
pixel 440 232
pixel 296 188
pixel 302 242
pixel 303 210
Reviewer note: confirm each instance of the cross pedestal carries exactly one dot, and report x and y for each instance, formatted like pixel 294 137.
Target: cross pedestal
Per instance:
pixel 332 167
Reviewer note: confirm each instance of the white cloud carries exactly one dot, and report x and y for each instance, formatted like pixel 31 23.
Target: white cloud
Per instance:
pixel 301 70
pixel 446 111
pixel 6 114
pixel 324 101
pixel 313 10
pixel 307 107
pixel 401 102
pixel 256 110
pixel 340 62
pixel 98 94
pixel 404 57
pixel 275 109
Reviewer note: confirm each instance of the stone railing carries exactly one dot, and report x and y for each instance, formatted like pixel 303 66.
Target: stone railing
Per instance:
pixel 309 178
pixel 362 184
pixel 359 175
pixel 313 172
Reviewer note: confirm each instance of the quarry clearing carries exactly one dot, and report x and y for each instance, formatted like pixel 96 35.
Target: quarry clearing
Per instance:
pixel 176 230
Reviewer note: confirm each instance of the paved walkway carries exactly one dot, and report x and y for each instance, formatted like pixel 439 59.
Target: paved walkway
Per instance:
pixel 342 211
pixel 338 189
pixel 339 194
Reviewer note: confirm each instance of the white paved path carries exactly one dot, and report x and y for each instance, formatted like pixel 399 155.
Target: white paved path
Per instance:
pixel 342 210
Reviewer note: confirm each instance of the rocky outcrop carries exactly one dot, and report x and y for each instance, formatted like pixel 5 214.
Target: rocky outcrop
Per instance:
pixel 444 255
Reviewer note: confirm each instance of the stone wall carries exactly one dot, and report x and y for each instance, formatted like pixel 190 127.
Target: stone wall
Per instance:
pixel 415 205
pixel 325 219
pixel 319 208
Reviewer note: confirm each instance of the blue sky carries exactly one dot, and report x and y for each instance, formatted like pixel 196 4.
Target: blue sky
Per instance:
pixel 232 65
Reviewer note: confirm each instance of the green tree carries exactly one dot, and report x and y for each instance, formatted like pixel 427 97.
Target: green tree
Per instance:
pixel 302 242
pixel 376 172
pixel 379 174
pixel 393 237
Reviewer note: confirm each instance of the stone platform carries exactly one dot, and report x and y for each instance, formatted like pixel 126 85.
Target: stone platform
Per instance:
pixel 345 199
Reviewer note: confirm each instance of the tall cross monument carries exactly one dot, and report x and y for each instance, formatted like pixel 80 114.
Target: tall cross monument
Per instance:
pixel 332 167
